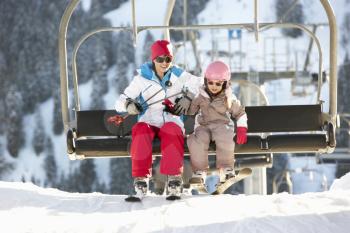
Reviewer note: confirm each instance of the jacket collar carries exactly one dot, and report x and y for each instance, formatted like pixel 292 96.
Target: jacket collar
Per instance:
pixel 205 94
pixel 146 70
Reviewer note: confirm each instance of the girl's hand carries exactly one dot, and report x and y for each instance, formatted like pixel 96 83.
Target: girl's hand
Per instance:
pixel 241 135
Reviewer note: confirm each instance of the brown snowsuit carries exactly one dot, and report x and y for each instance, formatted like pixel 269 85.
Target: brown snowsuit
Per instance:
pixel 213 123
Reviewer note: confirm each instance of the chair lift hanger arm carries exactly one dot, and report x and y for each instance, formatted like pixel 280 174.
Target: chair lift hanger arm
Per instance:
pixel 62 50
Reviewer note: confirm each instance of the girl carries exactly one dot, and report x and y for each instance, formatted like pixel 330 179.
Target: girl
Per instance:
pixel 216 105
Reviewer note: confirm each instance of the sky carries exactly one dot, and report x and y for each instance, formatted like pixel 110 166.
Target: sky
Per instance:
pixel 32 209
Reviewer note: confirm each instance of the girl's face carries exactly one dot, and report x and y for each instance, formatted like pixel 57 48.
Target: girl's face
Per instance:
pixel 162 65
pixel 215 86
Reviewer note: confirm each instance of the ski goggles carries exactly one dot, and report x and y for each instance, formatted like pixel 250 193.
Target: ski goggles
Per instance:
pixel 166 59
pixel 218 84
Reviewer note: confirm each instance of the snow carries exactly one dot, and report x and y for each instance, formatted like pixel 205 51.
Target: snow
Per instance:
pixel 342 184
pixel 86 4
pixel 52 210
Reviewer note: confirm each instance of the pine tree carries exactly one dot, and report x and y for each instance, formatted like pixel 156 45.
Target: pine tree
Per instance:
pixel 87 176
pixel 101 187
pixel 121 180
pixel 4 165
pixel 2 116
pixel 108 5
pixel 57 114
pixel 344 101
pixel 97 101
pixel 177 17
pixel 39 137
pixel 345 37
pixel 296 15
pixel 50 165
pixel 125 60
pixel 99 77
pixel 14 126
pixel 149 39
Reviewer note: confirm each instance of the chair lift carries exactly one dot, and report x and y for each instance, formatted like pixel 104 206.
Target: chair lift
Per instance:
pixel 272 129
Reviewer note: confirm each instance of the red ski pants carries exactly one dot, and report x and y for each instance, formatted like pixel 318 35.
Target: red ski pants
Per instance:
pixel 171 145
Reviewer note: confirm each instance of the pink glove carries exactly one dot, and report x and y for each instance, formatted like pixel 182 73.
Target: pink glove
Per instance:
pixel 241 135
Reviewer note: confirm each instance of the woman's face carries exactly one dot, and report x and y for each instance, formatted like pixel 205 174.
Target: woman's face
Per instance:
pixel 162 64
pixel 215 86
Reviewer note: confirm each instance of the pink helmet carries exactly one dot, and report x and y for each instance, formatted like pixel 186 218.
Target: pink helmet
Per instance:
pixel 218 70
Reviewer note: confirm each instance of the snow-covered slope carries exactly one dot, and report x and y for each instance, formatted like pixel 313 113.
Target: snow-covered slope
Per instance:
pixel 31 209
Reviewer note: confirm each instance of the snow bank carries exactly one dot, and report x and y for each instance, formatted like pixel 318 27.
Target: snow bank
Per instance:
pixel 342 183
pixel 50 210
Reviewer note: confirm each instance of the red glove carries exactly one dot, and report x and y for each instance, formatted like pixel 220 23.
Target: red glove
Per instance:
pixel 169 106
pixel 241 135
pixel 116 120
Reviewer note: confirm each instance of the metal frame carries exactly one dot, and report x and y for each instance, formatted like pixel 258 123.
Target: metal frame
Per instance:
pixel 256 27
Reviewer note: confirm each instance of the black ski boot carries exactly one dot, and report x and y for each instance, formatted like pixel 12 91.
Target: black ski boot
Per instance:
pixel 141 187
pixel 174 188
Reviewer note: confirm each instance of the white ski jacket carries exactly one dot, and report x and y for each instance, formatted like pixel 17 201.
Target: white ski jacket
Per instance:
pixel 146 84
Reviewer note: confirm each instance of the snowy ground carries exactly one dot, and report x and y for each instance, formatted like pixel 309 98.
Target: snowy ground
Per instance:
pixel 27 208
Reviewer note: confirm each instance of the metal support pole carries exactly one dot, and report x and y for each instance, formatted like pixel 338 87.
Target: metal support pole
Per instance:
pixel 169 11
pixel 311 43
pixel 134 26
pixel 333 35
pixel 256 21
pixel 184 31
pixel 62 51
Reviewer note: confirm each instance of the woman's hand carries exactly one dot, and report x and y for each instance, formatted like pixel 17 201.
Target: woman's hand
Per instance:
pixel 133 107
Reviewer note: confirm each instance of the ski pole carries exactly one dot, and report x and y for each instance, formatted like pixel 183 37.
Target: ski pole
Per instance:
pixel 117 119
pixel 165 98
pixel 152 96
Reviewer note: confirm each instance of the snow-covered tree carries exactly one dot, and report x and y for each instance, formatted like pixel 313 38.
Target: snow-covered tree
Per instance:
pixel 345 32
pixel 177 17
pixel 50 165
pixel 97 101
pixel 14 126
pixel 344 101
pixel 57 114
pixel 99 77
pixel 39 136
pixel 107 5
pixel 296 15
pixel 87 176
pixel 121 180
pixel 125 60
pixel 4 165
pixel 146 52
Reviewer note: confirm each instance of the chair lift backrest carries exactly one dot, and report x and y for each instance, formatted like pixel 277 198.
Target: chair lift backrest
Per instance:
pixel 261 119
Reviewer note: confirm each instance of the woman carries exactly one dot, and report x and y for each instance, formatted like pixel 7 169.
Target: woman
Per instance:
pixel 158 80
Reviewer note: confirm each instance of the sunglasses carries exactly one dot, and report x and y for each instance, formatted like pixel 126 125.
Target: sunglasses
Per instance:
pixel 163 59
pixel 218 84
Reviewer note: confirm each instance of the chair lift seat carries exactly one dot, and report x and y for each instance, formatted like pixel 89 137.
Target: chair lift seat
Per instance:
pixel 271 129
